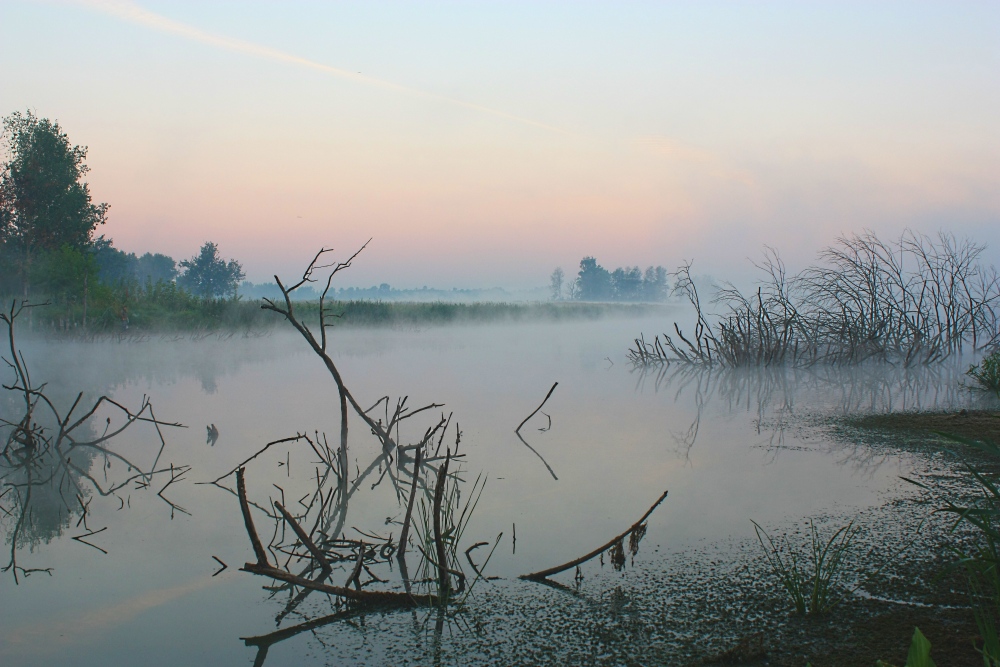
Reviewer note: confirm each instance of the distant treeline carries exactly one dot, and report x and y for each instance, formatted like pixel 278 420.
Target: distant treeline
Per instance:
pixel 385 292
pixel 595 283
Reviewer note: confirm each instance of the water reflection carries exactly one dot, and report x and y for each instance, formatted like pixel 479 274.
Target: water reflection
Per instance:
pixel 56 456
pixel 845 389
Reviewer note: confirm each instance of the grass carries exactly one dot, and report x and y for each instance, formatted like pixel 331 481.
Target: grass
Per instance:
pixel 812 582
pixel 164 308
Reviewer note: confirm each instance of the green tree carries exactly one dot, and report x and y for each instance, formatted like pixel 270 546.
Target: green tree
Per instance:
pixel 44 203
pixel 208 275
pixel 66 276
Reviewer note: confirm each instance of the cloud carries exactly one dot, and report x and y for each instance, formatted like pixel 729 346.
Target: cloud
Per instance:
pixel 133 13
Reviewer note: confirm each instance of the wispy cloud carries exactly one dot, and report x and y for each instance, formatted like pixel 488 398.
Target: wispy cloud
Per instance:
pixel 80 627
pixel 133 13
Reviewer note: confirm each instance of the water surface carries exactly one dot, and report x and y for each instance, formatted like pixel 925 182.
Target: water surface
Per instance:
pixel 729 446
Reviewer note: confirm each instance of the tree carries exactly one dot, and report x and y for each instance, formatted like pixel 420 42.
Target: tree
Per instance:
pixel 154 268
pixel 626 284
pixel 556 283
pixel 66 275
pixel 208 275
pixel 44 203
pixel 654 284
pixel 593 282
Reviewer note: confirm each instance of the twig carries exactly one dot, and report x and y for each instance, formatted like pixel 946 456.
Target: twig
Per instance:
pixel 79 538
pixel 518 429
pixel 259 452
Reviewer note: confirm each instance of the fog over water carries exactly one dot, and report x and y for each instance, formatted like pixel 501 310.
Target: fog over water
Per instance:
pixel 730 446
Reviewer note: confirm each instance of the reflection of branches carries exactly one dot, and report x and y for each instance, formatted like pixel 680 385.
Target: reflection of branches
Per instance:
pixel 771 394
pixel 49 451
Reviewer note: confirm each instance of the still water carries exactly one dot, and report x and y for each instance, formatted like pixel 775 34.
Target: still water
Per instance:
pixel 729 447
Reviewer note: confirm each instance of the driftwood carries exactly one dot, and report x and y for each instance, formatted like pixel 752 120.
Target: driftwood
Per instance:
pixel 637 527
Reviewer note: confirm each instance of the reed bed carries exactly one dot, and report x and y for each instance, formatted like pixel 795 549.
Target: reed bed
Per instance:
pixel 914 301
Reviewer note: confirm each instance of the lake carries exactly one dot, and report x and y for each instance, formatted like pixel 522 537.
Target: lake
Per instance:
pixel 730 446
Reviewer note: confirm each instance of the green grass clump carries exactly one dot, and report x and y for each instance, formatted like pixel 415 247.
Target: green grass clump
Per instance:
pixel 811 582
pixel 987 373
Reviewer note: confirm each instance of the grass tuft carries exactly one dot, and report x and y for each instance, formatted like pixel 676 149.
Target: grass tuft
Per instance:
pixel 811 582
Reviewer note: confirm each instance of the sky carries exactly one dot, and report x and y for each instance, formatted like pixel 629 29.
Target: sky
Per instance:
pixel 483 144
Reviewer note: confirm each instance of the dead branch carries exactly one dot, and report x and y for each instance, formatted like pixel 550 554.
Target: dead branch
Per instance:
pixel 301 534
pixel 444 581
pixel 296 438
pixel 637 526
pixel 374 598
pixel 404 536
pixel 258 548
pixel 518 429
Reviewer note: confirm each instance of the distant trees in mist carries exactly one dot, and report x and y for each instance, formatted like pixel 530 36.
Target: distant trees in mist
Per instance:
pixel 595 283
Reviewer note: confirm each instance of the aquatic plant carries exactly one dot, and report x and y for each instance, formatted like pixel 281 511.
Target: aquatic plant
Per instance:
pixel 919 654
pixel 914 301
pixel 987 373
pixel 811 582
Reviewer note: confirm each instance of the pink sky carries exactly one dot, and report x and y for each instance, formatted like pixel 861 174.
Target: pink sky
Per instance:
pixel 485 144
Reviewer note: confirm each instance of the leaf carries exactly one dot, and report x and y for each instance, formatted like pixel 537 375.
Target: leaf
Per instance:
pixel 920 651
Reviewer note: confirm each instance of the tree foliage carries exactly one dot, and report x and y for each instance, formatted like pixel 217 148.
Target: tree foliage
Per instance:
pixel 44 202
pixel 208 275
pixel 117 266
